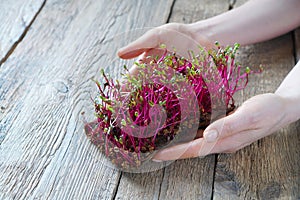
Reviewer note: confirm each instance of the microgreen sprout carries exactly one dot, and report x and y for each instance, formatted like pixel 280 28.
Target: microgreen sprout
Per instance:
pixel 212 74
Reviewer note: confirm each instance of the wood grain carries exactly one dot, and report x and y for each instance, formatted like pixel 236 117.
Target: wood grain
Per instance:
pixel 46 84
pixel 15 18
pixel 185 179
pixel 192 178
pixel 193 10
pixel 269 168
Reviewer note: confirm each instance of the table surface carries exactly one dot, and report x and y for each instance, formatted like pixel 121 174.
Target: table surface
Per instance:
pixel 49 52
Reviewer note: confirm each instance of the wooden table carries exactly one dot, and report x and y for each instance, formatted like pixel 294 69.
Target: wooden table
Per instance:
pixel 50 50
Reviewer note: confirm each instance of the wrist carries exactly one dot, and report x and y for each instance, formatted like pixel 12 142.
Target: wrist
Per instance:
pixel 203 29
pixel 199 31
pixel 217 28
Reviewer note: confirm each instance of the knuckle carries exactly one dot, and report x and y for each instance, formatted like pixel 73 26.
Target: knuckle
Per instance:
pixel 158 34
pixel 228 129
pixel 253 118
pixel 195 149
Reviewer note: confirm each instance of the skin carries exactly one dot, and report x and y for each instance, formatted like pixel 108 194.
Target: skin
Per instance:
pixel 255 118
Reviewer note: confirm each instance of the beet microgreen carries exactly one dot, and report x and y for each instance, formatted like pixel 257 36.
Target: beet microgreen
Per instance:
pixel 122 107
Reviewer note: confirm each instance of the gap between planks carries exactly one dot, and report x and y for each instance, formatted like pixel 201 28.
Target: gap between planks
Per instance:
pixel 231 5
pixel 120 177
pixel 22 36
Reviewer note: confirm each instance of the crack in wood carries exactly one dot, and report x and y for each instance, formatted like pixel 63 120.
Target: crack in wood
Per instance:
pixel 161 183
pixel 164 170
pixel 231 4
pixel 115 192
pixel 16 43
pixel 171 11
pixel 214 177
pixel 293 34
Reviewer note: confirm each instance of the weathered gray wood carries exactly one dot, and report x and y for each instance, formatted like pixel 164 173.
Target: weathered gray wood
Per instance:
pixel 15 17
pixel 200 178
pixel 189 179
pixel 46 84
pixel 140 186
pixel 192 10
pixel 145 186
pixel 192 178
pixel 297 43
pixel 269 168
pixel 237 3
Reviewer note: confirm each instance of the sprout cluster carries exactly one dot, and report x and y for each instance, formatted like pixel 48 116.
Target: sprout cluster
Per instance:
pixel 130 123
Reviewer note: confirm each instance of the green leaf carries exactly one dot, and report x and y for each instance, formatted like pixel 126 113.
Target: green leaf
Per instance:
pixel 110 109
pixel 248 70
pixel 102 71
pixel 163 46
pixel 162 103
pixel 151 103
pixel 123 122
pixel 136 113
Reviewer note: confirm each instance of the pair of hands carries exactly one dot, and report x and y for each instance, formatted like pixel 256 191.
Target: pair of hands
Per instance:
pixel 254 119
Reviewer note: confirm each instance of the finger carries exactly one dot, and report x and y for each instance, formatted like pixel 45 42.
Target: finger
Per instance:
pixel 173 36
pixel 195 148
pixel 181 151
pixel 239 121
pixel 200 148
pixel 146 42
pixel 235 142
pixel 131 54
pixel 144 58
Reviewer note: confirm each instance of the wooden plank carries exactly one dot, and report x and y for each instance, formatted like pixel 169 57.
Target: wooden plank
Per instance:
pixel 140 186
pixel 192 10
pixel 182 179
pixel 191 178
pixel 269 168
pixel 297 43
pixel 237 3
pixel 15 18
pixel 146 185
pixel 46 84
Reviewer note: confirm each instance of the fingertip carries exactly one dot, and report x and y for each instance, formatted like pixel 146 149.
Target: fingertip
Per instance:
pixel 121 52
pixel 125 54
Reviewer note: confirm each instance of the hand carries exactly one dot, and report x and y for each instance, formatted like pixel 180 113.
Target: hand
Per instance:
pixel 173 35
pixel 254 119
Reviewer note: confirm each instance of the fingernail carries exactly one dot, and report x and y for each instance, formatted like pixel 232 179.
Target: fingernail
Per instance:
pixel 154 160
pixel 211 136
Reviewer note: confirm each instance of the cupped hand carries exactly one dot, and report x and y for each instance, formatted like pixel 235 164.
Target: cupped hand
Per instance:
pixel 172 35
pixel 256 118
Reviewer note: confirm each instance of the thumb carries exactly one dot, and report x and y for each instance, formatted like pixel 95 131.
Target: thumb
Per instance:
pixel 237 122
